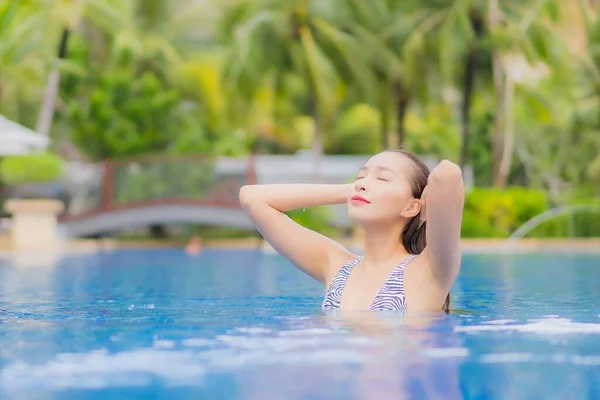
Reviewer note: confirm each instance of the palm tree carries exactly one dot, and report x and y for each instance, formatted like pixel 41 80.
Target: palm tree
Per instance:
pixel 466 33
pixel 158 34
pixel 30 31
pixel 64 17
pixel 533 39
pixel 154 29
pixel 399 66
pixel 271 40
pixel 22 59
pixel 589 63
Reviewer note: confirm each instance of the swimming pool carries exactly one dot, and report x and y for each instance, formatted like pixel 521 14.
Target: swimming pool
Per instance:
pixel 245 325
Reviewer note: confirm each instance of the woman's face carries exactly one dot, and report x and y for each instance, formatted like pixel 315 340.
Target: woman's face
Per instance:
pixel 382 190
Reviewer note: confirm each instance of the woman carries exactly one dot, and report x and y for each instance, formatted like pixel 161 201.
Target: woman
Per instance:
pixel 407 264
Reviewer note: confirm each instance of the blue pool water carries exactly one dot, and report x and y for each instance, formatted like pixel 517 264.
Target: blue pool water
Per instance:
pixel 244 325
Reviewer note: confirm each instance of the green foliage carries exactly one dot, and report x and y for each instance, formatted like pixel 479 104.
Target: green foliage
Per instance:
pixel 269 41
pixel 431 131
pixel 557 142
pixel 498 213
pixel 356 132
pixel 578 223
pixel 201 82
pixel 126 115
pixel 23 55
pixel 33 168
pixel 315 218
pixel 158 181
pixel 120 110
pixel 594 169
pixel 480 155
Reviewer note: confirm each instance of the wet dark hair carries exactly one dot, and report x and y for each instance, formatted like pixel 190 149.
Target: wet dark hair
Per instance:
pixel 414 236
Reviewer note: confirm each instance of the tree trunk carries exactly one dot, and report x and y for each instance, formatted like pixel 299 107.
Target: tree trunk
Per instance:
pixel 384 114
pixel 498 127
pixel 317 142
pixel 51 92
pixel 402 101
pixel 385 128
pixel 509 133
pixel 468 85
pixel 317 137
pixel 499 82
pixel 465 108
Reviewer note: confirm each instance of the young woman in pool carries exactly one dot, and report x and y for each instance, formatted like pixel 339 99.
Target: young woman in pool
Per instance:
pixel 408 263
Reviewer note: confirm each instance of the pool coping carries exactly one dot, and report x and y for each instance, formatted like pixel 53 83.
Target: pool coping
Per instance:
pixel 591 245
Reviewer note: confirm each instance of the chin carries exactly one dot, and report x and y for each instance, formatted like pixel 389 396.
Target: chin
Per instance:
pixel 361 217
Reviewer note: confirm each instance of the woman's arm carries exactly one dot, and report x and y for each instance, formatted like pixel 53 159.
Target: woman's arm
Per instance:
pixel 310 251
pixel 443 201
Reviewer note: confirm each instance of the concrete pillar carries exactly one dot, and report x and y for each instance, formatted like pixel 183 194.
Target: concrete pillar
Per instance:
pixel 33 223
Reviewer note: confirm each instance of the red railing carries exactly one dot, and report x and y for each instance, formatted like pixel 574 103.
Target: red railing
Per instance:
pixel 162 180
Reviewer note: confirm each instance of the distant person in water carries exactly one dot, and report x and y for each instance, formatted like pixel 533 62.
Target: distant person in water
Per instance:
pixel 411 220
pixel 194 246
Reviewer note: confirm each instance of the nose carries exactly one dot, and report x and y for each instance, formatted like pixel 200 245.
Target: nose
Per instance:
pixel 359 185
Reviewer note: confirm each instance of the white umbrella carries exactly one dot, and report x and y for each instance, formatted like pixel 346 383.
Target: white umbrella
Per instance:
pixel 16 139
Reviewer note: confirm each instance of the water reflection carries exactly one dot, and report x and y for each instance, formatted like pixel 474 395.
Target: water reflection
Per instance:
pixel 378 357
pixel 410 362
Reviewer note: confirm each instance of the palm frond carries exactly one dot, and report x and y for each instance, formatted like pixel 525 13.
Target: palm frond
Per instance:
pixel 350 57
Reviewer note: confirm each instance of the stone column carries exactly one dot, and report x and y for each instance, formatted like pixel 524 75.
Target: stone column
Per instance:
pixel 33 223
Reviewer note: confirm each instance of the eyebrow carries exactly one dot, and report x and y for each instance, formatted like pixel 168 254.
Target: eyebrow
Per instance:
pixel 379 168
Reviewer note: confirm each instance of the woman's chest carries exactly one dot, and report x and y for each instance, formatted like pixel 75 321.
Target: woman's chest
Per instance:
pixel 363 290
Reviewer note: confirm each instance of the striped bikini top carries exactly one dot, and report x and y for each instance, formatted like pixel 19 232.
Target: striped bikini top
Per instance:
pixel 389 297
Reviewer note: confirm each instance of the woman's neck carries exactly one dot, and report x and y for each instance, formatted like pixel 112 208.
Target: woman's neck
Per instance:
pixel 382 245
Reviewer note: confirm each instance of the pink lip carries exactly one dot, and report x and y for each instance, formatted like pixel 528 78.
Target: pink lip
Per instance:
pixel 359 199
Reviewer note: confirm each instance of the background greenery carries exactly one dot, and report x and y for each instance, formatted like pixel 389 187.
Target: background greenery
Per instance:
pixel 509 88
pixel 33 168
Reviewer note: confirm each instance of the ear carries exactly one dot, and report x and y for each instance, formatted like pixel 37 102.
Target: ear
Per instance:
pixel 412 209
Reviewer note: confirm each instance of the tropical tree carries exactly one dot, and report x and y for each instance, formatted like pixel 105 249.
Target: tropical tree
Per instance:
pixel 555 114
pixel 157 33
pixel 274 41
pixel 126 114
pixel 476 41
pixel 586 98
pixel 399 67
pixel 23 59
pixel 525 32
pixel 126 47
pixel 64 15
